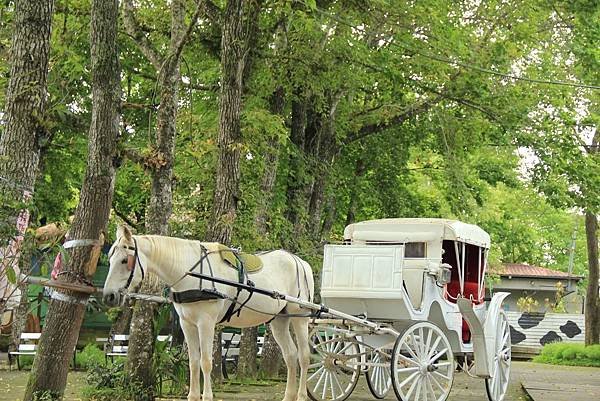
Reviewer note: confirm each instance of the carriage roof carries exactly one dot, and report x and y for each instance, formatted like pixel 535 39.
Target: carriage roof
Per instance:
pixel 416 230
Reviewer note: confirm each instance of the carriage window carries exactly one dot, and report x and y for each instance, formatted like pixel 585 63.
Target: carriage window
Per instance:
pixel 414 250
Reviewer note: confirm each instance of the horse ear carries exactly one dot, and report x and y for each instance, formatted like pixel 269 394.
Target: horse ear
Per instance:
pixel 123 231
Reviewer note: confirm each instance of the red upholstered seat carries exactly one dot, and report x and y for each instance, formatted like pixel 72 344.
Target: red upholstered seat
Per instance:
pixel 470 292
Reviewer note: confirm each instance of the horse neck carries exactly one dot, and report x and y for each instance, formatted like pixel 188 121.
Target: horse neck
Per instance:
pixel 168 266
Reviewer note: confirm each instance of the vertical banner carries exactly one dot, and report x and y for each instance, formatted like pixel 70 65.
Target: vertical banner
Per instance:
pixel 10 294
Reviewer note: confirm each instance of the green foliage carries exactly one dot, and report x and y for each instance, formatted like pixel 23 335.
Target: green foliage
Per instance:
pixel 527 304
pixel 172 369
pixel 90 357
pixel 560 353
pixel 47 395
pixel 108 383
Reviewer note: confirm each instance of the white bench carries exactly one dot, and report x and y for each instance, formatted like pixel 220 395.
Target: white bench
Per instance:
pixel 118 345
pixel 28 343
pixel 230 349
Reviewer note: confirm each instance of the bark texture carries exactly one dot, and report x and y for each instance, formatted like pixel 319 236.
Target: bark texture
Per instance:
pixel 592 301
pixel 234 51
pixel 271 358
pixel 26 95
pixel 592 307
pixel 66 310
pixel 24 130
pixel 239 24
pixel 247 364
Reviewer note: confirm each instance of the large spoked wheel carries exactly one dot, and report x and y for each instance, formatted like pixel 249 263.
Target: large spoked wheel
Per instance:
pixel 422 364
pixel 335 365
pixel 379 375
pixel 497 384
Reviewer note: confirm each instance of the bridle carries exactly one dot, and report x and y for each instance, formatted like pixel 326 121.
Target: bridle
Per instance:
pixel 131 262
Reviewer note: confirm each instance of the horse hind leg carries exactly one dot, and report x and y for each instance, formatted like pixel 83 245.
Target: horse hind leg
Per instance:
pixel 281 332
pixel 301 330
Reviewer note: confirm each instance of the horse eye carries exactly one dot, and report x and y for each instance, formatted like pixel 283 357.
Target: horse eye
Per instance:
pixel 124 261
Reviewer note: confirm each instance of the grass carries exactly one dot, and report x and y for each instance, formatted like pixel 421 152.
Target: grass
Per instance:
pixel 569 354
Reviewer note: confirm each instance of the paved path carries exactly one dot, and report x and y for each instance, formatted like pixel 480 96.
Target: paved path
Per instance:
pixel 559 383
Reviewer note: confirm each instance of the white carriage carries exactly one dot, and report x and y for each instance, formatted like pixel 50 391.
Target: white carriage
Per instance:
pixel 405 301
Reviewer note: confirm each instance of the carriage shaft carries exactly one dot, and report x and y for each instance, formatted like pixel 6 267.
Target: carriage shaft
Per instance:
pixel 320 309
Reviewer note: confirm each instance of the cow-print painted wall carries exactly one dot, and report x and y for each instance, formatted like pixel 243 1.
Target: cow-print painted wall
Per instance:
pixel 537 329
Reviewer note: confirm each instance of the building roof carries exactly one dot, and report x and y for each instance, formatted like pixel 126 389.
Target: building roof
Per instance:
pixel 522 270
pixel 414 230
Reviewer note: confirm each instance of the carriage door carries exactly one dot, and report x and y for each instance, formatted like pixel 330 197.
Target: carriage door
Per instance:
pixel 415 262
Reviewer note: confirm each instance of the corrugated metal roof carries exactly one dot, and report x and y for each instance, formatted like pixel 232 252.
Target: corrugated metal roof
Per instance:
pixel 523 270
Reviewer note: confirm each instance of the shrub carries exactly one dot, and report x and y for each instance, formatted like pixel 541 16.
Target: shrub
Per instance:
pixel 89 357
pixel 570 354
pixel 110 383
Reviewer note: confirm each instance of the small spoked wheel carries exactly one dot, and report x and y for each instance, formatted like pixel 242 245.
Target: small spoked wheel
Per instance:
pixel 379 375
pixel 334 367
pixel 497 384
pixel 422 364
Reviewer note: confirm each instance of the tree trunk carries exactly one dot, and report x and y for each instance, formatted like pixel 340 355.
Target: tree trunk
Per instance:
pixel 592 301
pixel 143 333
pixel 247 365
pixel 239 20
pixel 592 306
pixel 233 51
pixel 298 179
pixel 66 309
pixel 271 358
pixel 23 132
pixel 277 105
pixel 359 171
pixel 324 155
pixel 19 318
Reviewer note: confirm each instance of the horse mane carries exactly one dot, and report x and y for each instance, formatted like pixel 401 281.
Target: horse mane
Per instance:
pixel 173 253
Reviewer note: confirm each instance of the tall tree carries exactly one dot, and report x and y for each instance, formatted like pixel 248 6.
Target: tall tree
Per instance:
pixel 67 308
pixel 24 132
pixel 592 299
pixel 159 163
pixel 239 23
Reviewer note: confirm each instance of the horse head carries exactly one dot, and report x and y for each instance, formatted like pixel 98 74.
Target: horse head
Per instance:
pixel 125 270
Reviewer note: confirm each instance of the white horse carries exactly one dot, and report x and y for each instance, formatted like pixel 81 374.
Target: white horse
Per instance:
pixel 171 258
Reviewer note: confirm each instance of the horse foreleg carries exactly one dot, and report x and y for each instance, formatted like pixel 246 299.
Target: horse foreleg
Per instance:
pixel 301 331
pixel 207 333
pixel 281 332
pixel 192 338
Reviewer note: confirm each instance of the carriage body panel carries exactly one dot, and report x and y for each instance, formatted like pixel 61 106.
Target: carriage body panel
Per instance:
pixel 387 270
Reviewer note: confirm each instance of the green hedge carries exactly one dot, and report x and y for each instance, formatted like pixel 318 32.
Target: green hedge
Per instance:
pixel 569 354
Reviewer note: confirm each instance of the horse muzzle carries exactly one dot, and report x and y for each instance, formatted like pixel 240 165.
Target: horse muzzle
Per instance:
pixel 111 298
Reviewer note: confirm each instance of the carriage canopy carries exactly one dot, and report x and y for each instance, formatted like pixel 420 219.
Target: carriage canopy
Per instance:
pixel 413 230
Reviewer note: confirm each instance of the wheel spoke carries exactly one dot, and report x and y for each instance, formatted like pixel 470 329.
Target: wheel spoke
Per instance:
pixel 430 387
pixel 406 370
pixel 408 379
pixel 437 383
pixel 315 373
pixel 407 359
pixel 434 347
pixel 438 355
pixel 418 393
